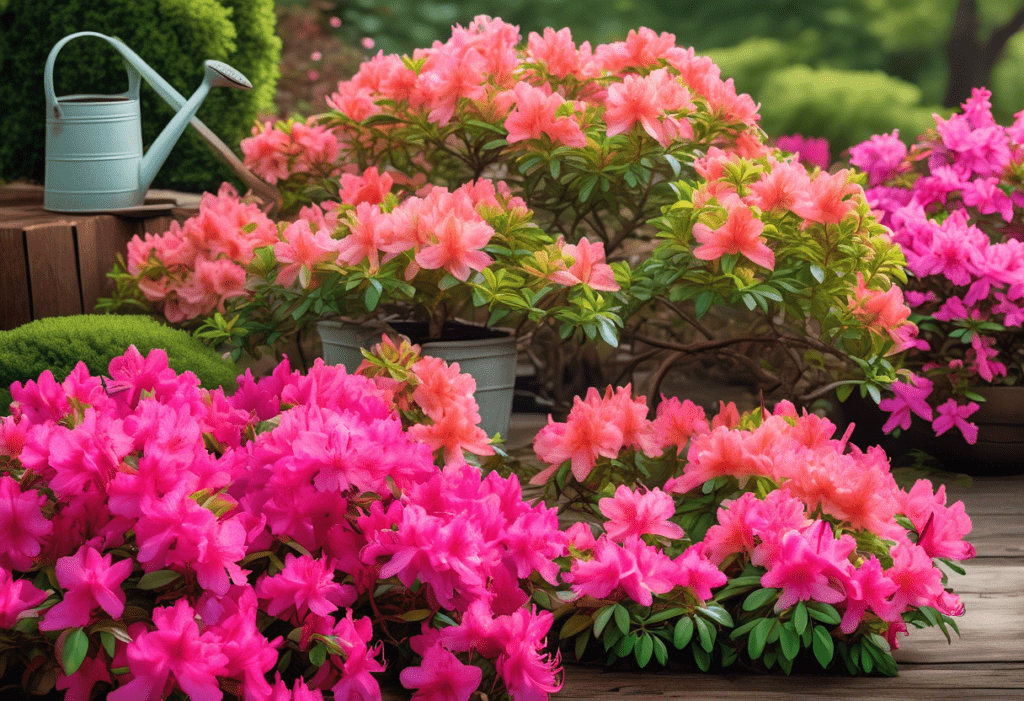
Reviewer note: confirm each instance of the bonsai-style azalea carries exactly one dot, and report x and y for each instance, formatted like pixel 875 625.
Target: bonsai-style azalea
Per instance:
pixel 955 204
pixel 290 540
pixel 776 272
pixel 761 538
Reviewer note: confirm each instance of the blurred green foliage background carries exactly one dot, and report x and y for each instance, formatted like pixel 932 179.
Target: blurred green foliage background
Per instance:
pixel 842 69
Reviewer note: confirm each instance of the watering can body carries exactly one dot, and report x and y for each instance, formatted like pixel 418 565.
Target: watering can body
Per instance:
pixel 94 158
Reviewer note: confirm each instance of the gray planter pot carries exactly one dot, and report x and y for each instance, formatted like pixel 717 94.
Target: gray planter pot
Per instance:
pixel 490 360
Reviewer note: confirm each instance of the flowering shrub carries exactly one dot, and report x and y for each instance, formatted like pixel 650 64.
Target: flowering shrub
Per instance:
pixel 292 538
pixel 759 538
pixel 955 205
pixel 800 252
pixel 427 257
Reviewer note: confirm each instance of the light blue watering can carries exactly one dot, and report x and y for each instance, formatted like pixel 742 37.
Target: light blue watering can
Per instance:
pixel 94 158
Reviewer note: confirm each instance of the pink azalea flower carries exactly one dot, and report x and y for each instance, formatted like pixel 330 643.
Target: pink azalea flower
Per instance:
pixel 79 685
pixel 698 573
pixel 587 434
pixel 440 676
pixel 587 268
pixel 677 421
pixel 536 113
pixel 825 199
pixel 952 414
pixel 918 580
pixel 802 573
pixel 741 233
pixel 650 101
pixel 456 247
pixel 370 187
pixel 810 150
pixel 634 513
pixel 724 451
pixel 301 251
pixel 17 596
pixel 22 525
pixel 558 54
pixel 780 188
pixel 940 529
pixel 910 397
pixel 369 233
pixel 880 156
pixel 174 649
pixel 307 585
pixel 870 589
pixel 90 580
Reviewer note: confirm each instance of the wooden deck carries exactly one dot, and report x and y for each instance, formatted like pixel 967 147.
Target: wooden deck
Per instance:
pixel 987 662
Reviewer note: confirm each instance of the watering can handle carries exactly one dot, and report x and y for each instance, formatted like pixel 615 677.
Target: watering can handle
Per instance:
pixel 52 108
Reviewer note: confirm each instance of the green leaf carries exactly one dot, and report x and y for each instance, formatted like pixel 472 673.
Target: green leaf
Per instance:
pixel 701 656
pixel 318 655
pixel 581 645
pixel 625 645
pixel 76 647
pixel 826 613
pixel 717 614
pixel 818 272
pixel 643 650
pixel 602 618
pixel 576 624
pixel 789 642
pixel 660 650
pixel 621 618
pixel 800 618
pixel 109 643
pixel 823 646
pixel 157 579
pixel 683 632
pixel 665 615
pixel 372 296
pixel 758 638
pixel 707 634
pixel 758 598
pixel 703 303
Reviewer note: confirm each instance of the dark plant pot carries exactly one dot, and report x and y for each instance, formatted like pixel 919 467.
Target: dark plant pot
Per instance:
pixel 999 449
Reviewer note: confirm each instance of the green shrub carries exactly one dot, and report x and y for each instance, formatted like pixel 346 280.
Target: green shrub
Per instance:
pixel 57 344
pixel 846 107
pixel 172 36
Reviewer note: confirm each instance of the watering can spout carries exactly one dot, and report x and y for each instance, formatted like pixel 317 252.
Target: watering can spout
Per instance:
pixel 217 75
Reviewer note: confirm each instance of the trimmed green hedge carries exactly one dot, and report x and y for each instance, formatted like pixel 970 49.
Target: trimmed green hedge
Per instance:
pixel 57 344
pixel 172 36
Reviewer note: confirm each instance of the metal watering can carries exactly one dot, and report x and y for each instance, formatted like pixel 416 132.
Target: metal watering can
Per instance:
pixel 94 158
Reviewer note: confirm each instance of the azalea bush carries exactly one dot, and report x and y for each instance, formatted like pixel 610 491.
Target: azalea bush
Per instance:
pixel 296 539
pixel 779 273
pixel 248 282
pixel 955 205
pixel 759 539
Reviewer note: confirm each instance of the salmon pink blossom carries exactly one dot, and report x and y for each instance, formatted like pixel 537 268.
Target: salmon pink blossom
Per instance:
pixel 740 233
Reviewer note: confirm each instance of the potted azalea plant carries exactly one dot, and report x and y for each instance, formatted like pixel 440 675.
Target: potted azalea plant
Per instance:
pixel 955 205
pixel 586 138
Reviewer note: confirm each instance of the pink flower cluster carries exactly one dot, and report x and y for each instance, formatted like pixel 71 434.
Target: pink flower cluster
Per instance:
pixel 277 150
pixel 196 267
pixel 300 500
pixel 551 89
pixel 804 506
pixel 955 205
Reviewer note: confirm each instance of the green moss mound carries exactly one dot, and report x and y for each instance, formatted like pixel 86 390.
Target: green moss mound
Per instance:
pixel 172 36
pixel 57 344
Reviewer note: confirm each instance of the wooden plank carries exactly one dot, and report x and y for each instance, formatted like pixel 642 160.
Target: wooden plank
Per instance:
pixel 100 239
pixel 992 629
pixel 991 495
pixel 997 535
pixel 921 683
pixel 15 302
pixel 53 270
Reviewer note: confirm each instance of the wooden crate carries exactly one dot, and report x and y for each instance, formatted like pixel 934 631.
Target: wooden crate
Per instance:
pixel 54 264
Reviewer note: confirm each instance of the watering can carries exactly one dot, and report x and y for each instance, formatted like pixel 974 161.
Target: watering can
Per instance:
pixel 94 159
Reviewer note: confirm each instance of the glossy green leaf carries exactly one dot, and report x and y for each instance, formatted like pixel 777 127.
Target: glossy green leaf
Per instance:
pixel 643 650
pixel 157 579
pixel 759 598
pixel 683 632
pixel 602 618
pixel 789 642
pixel 76 647
pixel 621 618
pixel 823 646
pixel 800 618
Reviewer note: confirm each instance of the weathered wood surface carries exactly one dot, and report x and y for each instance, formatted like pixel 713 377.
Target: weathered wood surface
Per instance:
pixel 55 264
